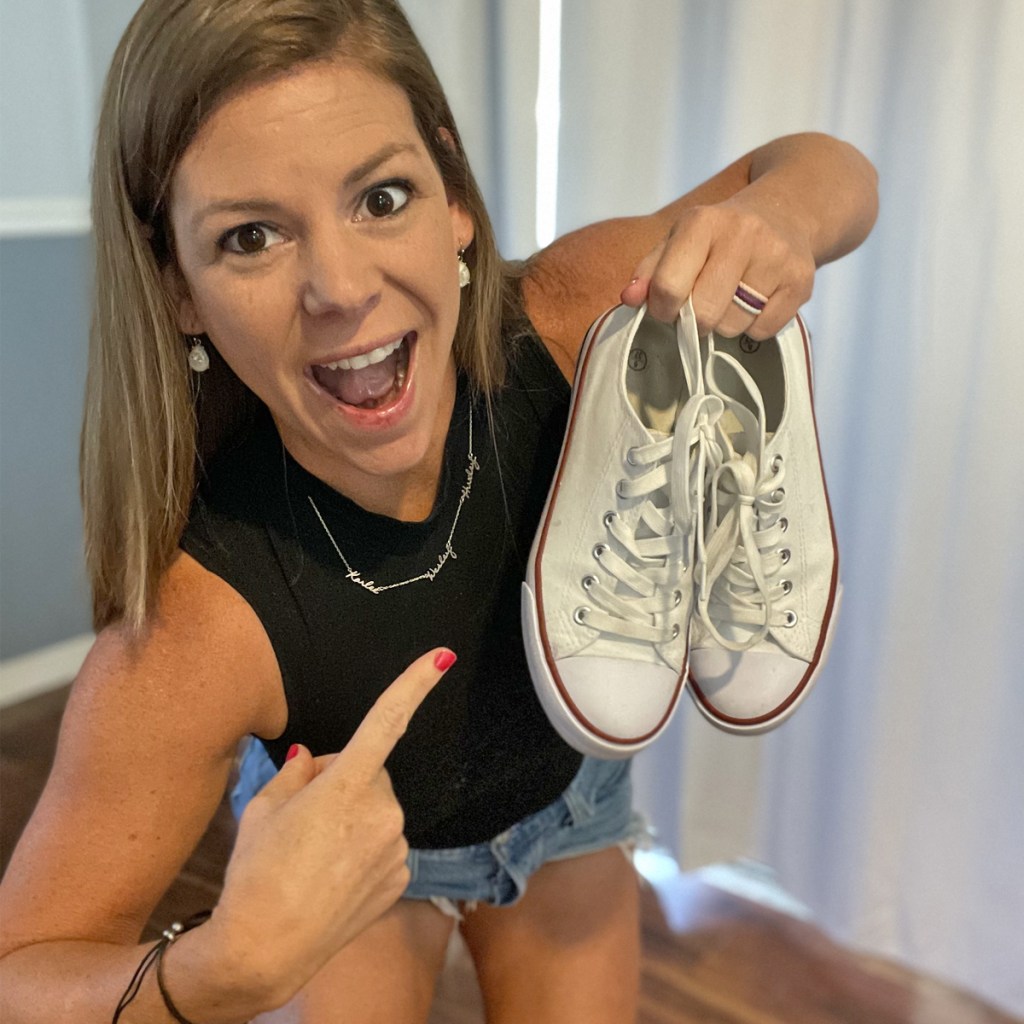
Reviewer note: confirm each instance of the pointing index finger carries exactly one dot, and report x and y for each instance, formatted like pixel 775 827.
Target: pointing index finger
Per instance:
pixel 386 722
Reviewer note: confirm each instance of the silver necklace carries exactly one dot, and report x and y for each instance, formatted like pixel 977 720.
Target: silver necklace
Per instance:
pixel 449 552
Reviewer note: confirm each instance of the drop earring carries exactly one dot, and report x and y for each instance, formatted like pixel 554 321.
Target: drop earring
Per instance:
pixel 198 357
pixel 464 275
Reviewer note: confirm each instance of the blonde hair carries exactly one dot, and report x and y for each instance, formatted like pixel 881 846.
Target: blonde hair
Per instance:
pixel 145 426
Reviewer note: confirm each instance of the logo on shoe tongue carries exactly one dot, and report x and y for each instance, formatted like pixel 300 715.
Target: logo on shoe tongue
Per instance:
pixel 638 359
pixel 748 345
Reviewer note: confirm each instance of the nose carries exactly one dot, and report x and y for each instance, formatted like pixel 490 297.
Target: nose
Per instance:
pixel 340 275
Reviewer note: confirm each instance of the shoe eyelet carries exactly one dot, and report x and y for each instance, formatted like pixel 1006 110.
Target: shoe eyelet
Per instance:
pixel 677 597
pixel 675 630
pixel 791 619
pixel 609 517
pixel 777 463
pixel 784 524
pixel 618 489
pixel 779 494
pixel 599 550
pixel 785 554
pixel 787 586
pixel 580 615
pixel 629 456
pixel 589 581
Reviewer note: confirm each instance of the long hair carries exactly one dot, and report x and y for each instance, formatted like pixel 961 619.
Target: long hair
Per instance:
pixel 146 425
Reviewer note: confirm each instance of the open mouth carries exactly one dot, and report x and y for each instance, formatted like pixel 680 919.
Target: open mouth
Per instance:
pixel 370 381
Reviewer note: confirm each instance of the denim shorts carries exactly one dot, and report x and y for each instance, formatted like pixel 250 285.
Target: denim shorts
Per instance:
pixel 594 812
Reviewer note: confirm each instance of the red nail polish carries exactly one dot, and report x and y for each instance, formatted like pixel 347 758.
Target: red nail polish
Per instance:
pixel 444 661
pixel 292 751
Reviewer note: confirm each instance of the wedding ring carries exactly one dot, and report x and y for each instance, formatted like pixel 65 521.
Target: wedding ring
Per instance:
pixel 749 300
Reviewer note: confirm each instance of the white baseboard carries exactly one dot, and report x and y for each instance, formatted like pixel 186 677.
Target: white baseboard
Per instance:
pixel 743 877
pixel 756 882
pixel 41 671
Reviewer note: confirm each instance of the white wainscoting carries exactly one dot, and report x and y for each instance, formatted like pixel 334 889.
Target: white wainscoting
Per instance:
pixel 44 217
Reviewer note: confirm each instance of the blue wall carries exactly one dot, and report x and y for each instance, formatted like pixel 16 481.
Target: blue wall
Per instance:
pixel 44 327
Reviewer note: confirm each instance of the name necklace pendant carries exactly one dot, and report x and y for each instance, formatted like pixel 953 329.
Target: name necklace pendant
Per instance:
pixel 447 552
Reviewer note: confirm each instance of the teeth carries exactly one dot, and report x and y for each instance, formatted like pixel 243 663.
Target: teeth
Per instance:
pixel 378 355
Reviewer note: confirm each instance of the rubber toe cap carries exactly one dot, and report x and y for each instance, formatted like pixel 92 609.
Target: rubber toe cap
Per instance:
pixel 625 701
pixel 748 689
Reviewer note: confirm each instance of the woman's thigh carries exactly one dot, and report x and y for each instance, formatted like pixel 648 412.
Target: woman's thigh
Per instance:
pixel 569 950
pixel 385 976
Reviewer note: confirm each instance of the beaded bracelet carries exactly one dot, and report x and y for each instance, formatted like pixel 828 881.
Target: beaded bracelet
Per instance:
pixel 156 955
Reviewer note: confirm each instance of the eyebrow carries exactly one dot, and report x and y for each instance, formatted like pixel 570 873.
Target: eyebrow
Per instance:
pixel 357 174
pixel 369 165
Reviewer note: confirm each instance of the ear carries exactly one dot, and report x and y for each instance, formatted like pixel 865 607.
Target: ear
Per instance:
pixel 185 313
pixel 445 135
pixel 462 224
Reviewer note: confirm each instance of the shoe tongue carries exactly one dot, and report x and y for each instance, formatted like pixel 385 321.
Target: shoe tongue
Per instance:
pixel 354 387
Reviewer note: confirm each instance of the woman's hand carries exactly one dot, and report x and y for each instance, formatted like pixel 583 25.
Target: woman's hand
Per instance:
pixel 320 853
pixel 808 200
pixel 710 249
pixel 769 220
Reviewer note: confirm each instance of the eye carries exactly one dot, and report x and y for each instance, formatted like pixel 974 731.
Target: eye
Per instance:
pixel 384 200
pixel 250 239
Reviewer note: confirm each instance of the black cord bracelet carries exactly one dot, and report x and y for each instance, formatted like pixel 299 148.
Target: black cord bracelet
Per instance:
pixel 168 1002
pixel 155 955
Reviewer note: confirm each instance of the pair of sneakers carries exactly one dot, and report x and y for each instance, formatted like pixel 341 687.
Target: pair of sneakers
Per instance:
pixel 687 532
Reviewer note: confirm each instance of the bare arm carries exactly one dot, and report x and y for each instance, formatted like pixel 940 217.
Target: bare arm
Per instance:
pixel 770 219
pixel 145 749
pixel 144 754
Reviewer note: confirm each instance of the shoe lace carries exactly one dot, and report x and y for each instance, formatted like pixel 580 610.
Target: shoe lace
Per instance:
pixel 741 539
pixel 645 564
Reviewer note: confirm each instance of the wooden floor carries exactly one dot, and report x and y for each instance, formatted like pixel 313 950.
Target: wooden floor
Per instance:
pixel 709 956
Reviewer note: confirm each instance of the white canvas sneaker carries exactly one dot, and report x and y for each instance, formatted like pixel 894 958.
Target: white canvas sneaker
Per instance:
pixel 608 592
pixel 766 584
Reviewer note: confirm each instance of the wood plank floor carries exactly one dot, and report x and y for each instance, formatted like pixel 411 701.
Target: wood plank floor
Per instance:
pixel 709 956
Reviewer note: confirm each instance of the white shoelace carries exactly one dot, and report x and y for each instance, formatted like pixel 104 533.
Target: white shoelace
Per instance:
pixel 741 540
pixel 645 567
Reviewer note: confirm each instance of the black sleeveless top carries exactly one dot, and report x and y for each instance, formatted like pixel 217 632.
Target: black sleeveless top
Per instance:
pixel 479 754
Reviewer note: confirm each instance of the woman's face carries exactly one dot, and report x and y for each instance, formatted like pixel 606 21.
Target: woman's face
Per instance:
pixel 317 248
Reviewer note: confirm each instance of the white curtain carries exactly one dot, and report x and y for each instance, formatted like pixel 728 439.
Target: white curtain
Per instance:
pixel 893 803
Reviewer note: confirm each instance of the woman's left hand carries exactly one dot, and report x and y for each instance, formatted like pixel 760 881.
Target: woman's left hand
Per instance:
pixel 767 220
pixel 711 249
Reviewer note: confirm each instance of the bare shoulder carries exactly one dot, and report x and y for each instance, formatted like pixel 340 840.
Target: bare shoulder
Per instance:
pixel 576 278
pixel 569 284
pixel 145 751
pixel 204 648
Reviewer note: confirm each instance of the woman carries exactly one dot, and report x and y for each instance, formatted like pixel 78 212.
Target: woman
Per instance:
pixel 280 192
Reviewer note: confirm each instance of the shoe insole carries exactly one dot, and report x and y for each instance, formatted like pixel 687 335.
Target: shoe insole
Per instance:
pixel 761 359
pixel 655 382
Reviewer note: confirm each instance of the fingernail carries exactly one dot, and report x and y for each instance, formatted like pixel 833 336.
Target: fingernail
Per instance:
pixel 444 661
pixel 292 751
